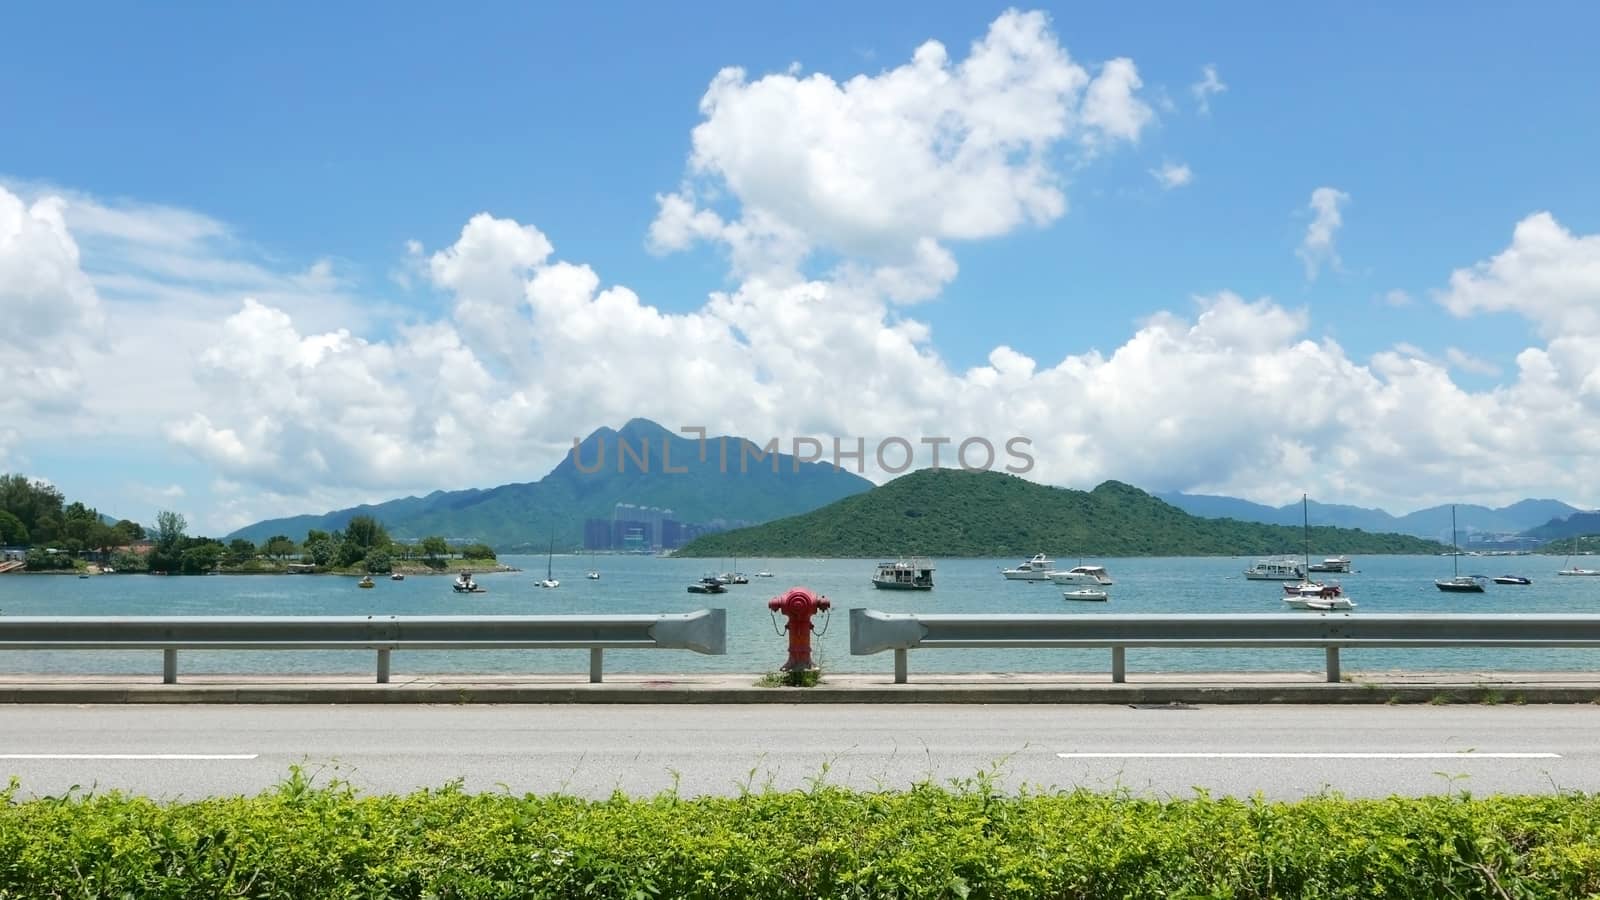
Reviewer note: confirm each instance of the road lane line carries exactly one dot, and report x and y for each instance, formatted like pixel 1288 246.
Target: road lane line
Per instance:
pixel 139 756
pixel 1463 755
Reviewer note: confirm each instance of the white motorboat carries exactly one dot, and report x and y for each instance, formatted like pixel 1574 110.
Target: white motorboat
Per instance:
pixel 1085 594
pixel 763 574
pixel 1331 564
pixel 1039 568
pixel 1083 575
pixel 1283 568
pixel 465 585
pixel 593 575
pixel 915 574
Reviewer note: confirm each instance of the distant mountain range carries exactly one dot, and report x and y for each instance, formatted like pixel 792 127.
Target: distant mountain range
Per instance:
pixel 1535 518
pixel 527 515
pixel 951 512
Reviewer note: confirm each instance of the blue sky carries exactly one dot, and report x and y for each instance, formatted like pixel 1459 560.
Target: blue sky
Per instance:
pixel 290 152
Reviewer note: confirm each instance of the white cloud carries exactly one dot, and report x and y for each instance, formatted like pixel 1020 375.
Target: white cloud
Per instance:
pixel 1548 275
pixel 1207 87
pixel 1397 297
pixel 1317 250
pixel 886 169
pixel 1172 175
pixel 54 318
pixel 1466 362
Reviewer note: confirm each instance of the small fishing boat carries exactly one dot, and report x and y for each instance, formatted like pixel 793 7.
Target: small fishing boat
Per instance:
pixel 366 582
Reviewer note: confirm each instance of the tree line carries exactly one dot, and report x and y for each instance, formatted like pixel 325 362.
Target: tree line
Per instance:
pixel 35 515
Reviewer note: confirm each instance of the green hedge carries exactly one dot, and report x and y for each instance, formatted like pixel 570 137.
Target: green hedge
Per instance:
pixel 300 841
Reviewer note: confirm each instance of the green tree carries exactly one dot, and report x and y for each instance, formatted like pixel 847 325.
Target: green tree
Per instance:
pixel 366 532
pixel 321 551
pixel 128 561
pixel 378 562
pixel 434 547
pixel 12 532
pixel 32 502
pixel 170 527
pixel 128 531
pixel 278 546
pixel 201 558
pixel 478 551
pixel 240 551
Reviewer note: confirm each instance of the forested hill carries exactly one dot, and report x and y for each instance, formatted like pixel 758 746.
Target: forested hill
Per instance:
pixel 951 512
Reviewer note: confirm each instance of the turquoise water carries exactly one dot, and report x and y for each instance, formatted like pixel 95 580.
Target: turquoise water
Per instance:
pixel 648 585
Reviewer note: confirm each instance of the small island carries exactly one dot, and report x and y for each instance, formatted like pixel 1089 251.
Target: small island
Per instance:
pixel 958 513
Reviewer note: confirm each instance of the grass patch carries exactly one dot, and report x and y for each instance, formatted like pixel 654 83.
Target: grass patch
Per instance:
pixel 793 678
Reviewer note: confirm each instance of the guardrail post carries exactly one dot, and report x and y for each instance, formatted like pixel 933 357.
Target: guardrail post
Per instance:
pixel 1119 665
pixel 900 665
pixel 383 666
pixel 169 667
pixel 1333 665
pixel 596 664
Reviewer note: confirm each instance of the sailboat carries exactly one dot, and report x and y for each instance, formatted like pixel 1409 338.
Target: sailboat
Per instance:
pixel 1569 569
pixel 1318 596
pixel 1458 583
pixel 549 574
pixel 593 574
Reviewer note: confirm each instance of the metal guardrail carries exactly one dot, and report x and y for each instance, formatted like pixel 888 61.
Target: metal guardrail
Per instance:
pixel 703 631
pixel 872 631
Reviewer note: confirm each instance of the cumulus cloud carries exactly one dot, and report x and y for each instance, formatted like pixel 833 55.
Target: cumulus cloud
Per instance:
pixel 1548 275
pixel 1172 175
pixel 1209 85
pixel 1317 249
pixel 54 318
pixel 886 169
pixel 1466 362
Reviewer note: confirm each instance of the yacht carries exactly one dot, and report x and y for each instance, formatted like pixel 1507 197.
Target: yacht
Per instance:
pixel 398 576
pixel 1331 564
pixel 1083 575
pixel 708 585
pixel 1512 579
pixel 763 574
pixel 550 580
pixel 465 585
pixel 1038 568
pixel 1283 568
pixel 1085 593
pixel 915 574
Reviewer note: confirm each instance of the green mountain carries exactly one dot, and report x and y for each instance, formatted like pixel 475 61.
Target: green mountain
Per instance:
pixel 641 463
pixel 951 512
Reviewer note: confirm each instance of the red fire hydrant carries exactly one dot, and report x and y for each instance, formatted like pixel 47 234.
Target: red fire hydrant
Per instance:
pixel 798 605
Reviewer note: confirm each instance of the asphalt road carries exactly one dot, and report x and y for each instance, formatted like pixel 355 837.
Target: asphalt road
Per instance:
pixel 1280 751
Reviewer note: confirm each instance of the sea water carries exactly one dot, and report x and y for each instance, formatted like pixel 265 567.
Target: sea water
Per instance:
pixel 641 584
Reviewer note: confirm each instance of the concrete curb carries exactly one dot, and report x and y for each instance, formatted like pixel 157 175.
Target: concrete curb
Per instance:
pixel 1475 692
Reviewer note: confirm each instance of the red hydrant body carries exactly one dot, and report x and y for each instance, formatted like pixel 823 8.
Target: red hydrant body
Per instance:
pixel 798 605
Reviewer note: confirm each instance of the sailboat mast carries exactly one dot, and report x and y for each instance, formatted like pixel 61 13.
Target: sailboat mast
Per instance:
pixel 1305 522
pixel 1455 545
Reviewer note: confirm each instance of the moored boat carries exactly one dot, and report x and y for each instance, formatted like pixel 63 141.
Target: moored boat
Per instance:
pixel 1039 568
pixel 1283 568
pixel 708 585
pixel 1511 579
pixel 365 582
pixel 1459 583
pixel 1331 564
pixel 1085 594
pixel 1084 575
pixel 915 574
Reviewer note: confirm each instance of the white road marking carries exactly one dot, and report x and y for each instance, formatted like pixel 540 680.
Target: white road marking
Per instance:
pixel 1457 755
pixel 153 756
